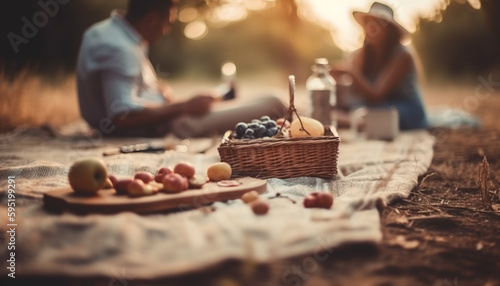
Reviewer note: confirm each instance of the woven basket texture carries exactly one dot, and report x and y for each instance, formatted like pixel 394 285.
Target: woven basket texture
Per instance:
pixel 282 157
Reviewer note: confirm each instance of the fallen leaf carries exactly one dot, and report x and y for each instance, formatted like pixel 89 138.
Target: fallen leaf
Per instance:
pixel 400 240
pixel 480 152
pixel 479 246
pixel 397 219
pixel 436 238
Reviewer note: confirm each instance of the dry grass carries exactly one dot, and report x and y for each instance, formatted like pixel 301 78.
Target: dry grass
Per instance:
pixel 29 101
pixel 483 179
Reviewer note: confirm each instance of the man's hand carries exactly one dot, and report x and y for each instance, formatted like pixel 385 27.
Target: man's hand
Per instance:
pixel 198 105
pixel 166 91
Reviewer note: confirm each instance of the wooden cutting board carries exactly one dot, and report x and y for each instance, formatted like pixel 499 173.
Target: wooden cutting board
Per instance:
pixel 108 202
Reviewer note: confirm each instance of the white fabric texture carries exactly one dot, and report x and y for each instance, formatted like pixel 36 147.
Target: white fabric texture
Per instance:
pixel 159 245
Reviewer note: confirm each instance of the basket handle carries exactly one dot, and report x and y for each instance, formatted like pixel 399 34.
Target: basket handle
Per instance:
pixel 291 108
pixel 291 89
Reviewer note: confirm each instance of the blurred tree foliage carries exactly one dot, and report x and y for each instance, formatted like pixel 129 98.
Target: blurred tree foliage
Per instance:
pixel 271 38
pixel 53 49
pixel 461 42
pixel 464 43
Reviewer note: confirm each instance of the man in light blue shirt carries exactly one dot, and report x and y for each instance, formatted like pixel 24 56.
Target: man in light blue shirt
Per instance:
pixel 118 90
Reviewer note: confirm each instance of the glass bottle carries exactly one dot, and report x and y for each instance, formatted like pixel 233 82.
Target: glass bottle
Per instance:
pixel 321 87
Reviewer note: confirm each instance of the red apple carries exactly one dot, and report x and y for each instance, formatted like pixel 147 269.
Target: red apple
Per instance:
pixel 324 200
pixel 260 207
pixel 318 200
pixel 121 186
pixel 144 176
pixel 136 188
pixel 162 172
pixel 309 202
pixel 184 168
pixel 174 183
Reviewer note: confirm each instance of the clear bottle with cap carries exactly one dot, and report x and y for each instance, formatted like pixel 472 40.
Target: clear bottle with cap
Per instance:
pixel 322 88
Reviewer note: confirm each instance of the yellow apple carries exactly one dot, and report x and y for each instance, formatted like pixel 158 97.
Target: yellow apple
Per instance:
pixel 313 126
pixel 87 176
pixel 249 197
pixel 219 171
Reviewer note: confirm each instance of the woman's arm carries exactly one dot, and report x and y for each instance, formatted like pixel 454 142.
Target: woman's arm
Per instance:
pixel 385 82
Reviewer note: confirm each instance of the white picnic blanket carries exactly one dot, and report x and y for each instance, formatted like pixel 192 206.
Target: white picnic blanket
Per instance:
pixel 159 245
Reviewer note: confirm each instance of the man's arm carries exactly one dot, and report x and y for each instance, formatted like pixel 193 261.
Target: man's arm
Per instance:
pixel 150 116
pixel 126 111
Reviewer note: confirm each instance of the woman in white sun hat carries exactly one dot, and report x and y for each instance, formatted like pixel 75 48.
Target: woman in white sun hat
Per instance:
pixel 383 70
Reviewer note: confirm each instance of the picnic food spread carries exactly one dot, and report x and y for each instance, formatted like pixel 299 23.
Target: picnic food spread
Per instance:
pixel 179 187
pixel 89 179
pixel 304 140
pixel 267 128
pixel 89 175
pixel 309 149
pixel 257 128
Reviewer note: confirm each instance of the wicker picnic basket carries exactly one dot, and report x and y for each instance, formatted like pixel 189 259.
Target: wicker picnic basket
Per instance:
pixel 283 157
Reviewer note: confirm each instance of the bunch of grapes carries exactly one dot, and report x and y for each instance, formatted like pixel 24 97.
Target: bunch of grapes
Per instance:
pixel 257 128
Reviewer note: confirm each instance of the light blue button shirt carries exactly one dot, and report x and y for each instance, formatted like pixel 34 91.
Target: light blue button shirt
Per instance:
pixel 114 74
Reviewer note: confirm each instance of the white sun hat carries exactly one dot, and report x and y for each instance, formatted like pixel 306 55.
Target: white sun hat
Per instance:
pixel 383 12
